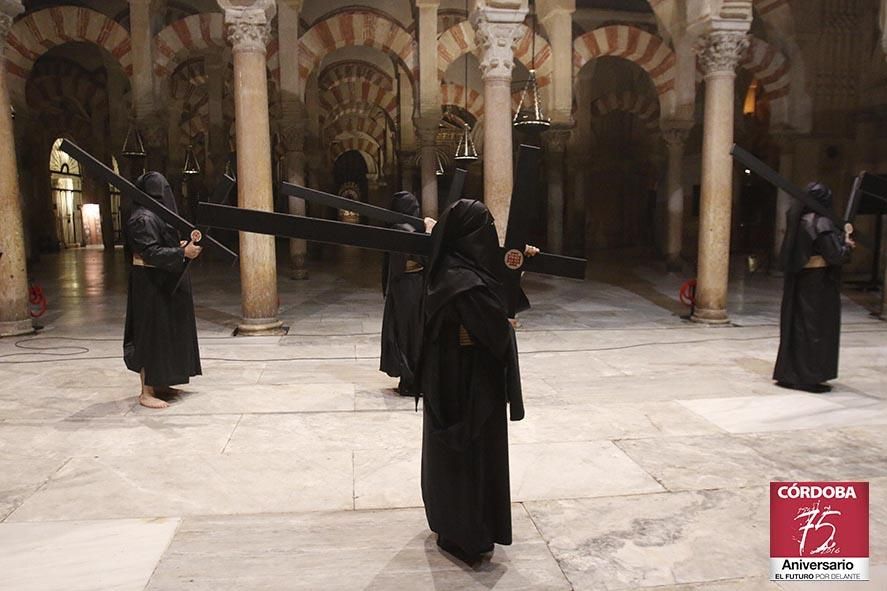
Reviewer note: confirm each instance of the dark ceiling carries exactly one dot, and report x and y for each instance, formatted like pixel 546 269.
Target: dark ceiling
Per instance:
pixel 625 5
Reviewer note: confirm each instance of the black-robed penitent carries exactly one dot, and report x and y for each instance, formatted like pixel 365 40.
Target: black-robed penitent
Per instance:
pixel 161 333
pixel 403 284
pixel 810 322
pixel 469 372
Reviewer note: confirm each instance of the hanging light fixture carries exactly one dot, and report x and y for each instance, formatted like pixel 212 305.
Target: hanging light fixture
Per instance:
pixel 466 151
pixel 440 166
pixel 529 114
pixel 192 166
pixel 133 146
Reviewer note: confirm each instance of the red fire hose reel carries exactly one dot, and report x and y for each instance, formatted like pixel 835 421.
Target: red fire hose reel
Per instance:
pixel 37 301
pixel 688 293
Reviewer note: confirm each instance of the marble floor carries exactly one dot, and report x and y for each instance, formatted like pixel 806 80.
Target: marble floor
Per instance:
pixel 643 462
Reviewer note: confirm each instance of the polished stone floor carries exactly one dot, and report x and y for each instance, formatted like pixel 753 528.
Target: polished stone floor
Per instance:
pixel 643 462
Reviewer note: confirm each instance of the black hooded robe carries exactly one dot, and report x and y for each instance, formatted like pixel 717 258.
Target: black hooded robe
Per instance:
pixel 810 318
pixel 403 284
pixel 469 372
pixel 161 332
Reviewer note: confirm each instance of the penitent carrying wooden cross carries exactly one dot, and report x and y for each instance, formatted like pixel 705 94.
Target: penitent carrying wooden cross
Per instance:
pixel 774 178
pixel 332 232
pixel 100 171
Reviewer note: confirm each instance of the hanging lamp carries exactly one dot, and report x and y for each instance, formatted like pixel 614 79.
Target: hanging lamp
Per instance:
pixel 529 113
pixel 192 166
pixel 466 151
pixel 133 146
pixel 440 167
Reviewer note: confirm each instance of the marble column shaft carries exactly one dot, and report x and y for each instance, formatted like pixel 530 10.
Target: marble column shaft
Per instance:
pixel 428 168
pixel 498 32
pixel 719 55
pixel 295 173
pixel 555 148
pixel 14 317
pixel 249 31
pixel 675 136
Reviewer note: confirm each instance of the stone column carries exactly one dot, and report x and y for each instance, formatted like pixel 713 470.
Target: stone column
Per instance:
pixel 719 53
pixel 249 29
pixel 427 131
pixel 675 135
pixel 557 18
pixel 497 31
pixel 216 70
pixel 555 149
pixel 14 316
pixel 294 123
pixel 786 141
pixel 295 161
pixel 407 168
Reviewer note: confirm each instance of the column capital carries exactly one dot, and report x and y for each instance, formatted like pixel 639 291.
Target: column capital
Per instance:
pixel 249 27
pixel 426 131
pixel 435 4
pixel 719 51
pixel 497 31
pixel 675 132
pixel 9 9
pixel 556 139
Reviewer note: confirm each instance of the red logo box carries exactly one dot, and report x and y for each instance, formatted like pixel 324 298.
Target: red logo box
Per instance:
pixel 824 524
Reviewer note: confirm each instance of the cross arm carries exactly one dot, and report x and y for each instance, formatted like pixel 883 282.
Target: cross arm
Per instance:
pixel 314 229
pixel 100 171
pixel 373 212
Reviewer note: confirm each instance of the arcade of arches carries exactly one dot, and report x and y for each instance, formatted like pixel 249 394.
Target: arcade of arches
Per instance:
pixel 645 98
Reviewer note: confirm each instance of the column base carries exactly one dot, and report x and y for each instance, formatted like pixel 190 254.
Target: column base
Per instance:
pixel 260 327
pixel 299 274
pixel 674 263
pixel 713 317
pixel 14 328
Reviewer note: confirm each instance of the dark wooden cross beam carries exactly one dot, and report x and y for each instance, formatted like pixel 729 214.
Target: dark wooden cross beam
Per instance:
pixel 868 196
pixel 222 196
pixel 414 243
pixel 103 173
pixel 780 182
pixel 372 212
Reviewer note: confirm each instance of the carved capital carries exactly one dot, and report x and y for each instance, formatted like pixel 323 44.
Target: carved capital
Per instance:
pixel 9 9
pixel 497 40
pixel 556 140
pixel 720 51
pixel 293 136
pixel 675 132
pixel 249 29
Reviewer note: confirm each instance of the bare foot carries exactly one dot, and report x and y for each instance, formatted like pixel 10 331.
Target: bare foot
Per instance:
pixel 151 401
pixel 169 391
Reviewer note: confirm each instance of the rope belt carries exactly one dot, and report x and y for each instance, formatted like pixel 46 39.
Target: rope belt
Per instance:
pixel 465 339
pixel 816 262
pixel 413 267
pixel 138 261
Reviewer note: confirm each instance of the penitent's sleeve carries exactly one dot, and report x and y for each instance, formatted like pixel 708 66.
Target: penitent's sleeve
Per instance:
pixel 147 241
pixel 512 380
pixel 829 244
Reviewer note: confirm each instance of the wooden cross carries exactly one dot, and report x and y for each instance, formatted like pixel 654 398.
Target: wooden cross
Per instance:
pixel 415 243
pixel 100 171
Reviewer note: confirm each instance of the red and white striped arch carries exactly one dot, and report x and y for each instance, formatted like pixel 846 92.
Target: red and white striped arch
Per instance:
pixel 454 94
pixel 357 125
pixel 769 67
pixel 635 45
pixel 347 72
pixel 196 34
pixel 645 107
pixel 460 39
pixel 37 33
pixel 356 28
pixel 367 147
pixel 359 92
